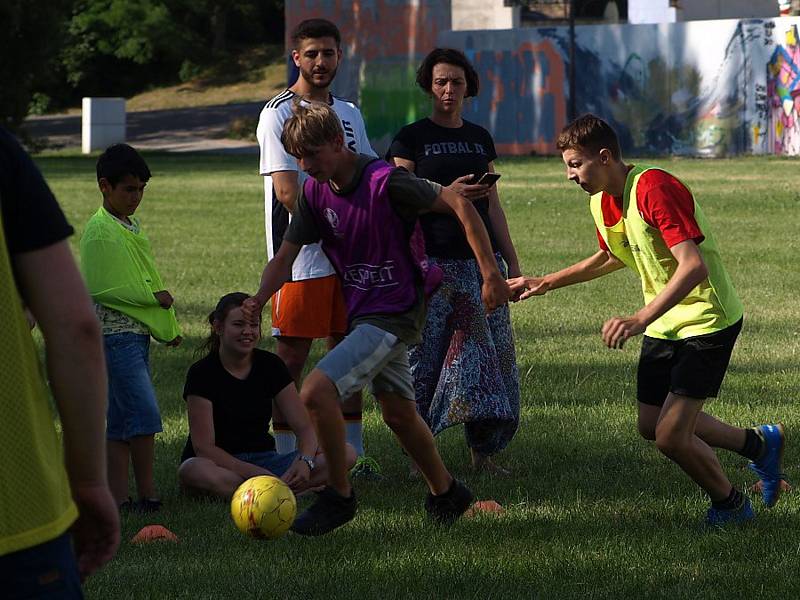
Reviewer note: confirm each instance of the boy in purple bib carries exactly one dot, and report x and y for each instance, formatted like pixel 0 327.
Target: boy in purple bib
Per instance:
pixel 364 213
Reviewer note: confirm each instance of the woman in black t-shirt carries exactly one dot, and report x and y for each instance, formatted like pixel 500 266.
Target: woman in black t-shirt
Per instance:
pixel 465 369
pixel 229 396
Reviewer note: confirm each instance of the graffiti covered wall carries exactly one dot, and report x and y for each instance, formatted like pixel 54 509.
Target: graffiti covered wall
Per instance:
pixel 708 88
pixel 783 96
pixel 711 88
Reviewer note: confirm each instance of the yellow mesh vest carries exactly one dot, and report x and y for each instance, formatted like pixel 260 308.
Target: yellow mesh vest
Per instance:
pixel 711 306
pixel 35 501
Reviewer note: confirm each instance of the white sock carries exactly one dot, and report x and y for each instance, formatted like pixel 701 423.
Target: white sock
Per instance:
pixel 354 431
pixel 285 441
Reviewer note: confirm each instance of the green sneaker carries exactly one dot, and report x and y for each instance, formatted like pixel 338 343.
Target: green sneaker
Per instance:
pixel 367 468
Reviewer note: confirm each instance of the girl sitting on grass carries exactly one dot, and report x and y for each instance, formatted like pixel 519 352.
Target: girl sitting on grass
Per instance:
pixel 229 395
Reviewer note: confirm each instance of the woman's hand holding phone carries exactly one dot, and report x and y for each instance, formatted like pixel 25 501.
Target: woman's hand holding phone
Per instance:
pixel 474 187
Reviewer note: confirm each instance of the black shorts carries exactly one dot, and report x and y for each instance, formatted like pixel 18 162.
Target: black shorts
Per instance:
pixel 694 367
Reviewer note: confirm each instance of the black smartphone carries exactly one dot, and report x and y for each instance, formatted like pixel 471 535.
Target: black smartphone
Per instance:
pixel 485 179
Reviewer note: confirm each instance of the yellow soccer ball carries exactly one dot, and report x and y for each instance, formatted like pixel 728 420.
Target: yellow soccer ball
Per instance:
pixel 263 507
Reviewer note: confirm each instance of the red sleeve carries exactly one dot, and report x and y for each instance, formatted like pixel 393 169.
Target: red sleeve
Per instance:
pixel 666 204
pixel 601 241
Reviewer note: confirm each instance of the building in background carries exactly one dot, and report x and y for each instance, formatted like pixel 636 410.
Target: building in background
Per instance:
pixel 484 14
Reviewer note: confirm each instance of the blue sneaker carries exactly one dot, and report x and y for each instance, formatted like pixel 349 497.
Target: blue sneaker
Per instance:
pixel 768 467
pixel 716 517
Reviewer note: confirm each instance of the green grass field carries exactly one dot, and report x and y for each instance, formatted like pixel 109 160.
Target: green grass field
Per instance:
pixel 593 511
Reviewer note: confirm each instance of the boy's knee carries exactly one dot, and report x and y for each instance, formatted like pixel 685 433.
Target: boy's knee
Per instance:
pixel 393 421
pixel 670 442
pixel 307 398
pixel 318 391
pixel 647 420
pixel 399 414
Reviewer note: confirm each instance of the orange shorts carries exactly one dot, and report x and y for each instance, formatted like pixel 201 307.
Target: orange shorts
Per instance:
pixel 313 308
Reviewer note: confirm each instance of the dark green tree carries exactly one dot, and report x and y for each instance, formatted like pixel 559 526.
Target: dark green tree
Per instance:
pixel 30 37
pixel 118 46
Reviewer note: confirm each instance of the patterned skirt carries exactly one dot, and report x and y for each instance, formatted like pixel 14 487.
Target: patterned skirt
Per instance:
pixel 465 368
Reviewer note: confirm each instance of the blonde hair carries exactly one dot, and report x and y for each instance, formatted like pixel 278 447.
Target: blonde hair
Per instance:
pixel 312 124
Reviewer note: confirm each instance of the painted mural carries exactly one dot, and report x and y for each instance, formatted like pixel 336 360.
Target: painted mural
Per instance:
pixel 783 92
pixel 696 88
pixel 705 88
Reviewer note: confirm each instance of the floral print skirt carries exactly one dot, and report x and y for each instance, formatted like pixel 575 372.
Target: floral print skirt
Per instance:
pixel 465 368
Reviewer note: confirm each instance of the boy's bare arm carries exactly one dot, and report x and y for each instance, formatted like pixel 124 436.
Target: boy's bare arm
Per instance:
pixel 52 288
pixel 598 264
pixel 277 272
pixel 286 188
pixel 495 290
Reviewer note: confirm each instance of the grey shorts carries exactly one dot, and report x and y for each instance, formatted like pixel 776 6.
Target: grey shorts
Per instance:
pixel 369 354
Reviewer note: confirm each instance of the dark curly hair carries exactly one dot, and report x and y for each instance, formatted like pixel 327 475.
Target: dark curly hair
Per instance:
pixel 450 56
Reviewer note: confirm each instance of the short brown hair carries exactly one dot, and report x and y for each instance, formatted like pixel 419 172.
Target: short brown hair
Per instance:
pixel 449 56
pixel 590 133
pixel 311 125
pixel 315 29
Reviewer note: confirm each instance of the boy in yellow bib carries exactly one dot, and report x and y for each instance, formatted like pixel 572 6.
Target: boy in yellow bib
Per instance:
pixel 648 221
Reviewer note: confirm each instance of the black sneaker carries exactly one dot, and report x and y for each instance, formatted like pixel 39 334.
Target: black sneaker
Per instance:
pixel 329 511
pixel 446 508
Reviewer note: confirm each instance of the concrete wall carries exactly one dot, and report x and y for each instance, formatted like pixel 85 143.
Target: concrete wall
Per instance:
pixel 483 14
pixel 726 9
pixel 661 11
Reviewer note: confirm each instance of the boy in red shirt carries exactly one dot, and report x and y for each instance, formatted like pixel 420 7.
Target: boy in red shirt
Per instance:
pixel 648 221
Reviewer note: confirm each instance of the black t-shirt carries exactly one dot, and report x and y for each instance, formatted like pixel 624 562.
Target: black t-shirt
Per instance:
pixel 32 218
pixel 443 154
pixel 242 407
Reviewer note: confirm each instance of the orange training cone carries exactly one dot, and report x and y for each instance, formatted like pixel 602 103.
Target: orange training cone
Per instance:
pixel 152 533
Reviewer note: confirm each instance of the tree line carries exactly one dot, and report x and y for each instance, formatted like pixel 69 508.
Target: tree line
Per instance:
pixel 57 51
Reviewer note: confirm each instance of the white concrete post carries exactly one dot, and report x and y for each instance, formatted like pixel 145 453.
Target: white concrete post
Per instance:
pixel 102 123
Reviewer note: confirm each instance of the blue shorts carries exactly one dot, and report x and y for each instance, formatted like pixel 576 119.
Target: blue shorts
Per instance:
pixel 270 460
pixel 369 354
pixel 48 570
pixel 132 406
